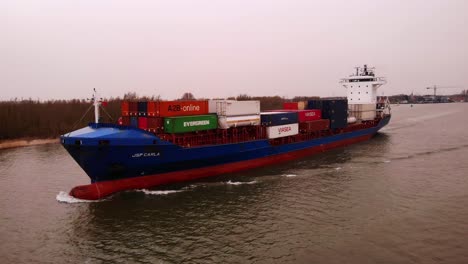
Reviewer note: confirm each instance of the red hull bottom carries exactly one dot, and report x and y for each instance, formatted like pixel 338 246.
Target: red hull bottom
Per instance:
pixel 100 190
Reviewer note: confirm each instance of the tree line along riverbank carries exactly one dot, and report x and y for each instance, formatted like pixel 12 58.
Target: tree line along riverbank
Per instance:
pixel 28 119
pixel 32 119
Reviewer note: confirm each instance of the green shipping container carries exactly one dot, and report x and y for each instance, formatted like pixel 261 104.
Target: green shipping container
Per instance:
pixel 183 124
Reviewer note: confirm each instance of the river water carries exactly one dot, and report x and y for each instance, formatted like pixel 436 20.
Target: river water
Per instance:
pixel 401 197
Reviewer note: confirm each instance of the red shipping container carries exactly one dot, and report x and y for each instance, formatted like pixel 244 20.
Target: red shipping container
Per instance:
pixel 153 108
pixel 291 105
pixel 124 107
pixel 304 115
pixel 317 125
pixel 182 108
pixel 125 121
pixel 133 108
pixel 309 115
pixel 142 122
pixel 155 123
pixel 294 105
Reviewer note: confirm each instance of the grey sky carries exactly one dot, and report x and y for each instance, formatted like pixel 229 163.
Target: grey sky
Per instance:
pixel 63 48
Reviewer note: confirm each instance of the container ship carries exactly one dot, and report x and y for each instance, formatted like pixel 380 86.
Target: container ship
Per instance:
pixel 164 142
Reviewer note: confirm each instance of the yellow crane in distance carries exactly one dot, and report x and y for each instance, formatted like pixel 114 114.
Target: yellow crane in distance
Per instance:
pixel 435 87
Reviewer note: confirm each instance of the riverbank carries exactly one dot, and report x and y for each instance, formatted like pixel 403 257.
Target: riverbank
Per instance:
pixel 16 143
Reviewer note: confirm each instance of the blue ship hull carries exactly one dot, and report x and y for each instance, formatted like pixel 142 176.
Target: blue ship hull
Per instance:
pixel 111 152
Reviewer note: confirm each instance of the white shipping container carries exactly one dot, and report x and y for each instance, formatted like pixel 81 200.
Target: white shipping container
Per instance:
pixel 362 107
pixel 212 105
pixel 282 131
pixel 225 122
pixel 361 115
pixel 368 115
pixel 362 111
pixel 234 108
pixel 301 105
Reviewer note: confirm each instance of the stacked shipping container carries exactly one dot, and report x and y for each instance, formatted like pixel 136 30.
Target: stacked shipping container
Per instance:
pixel 134 121
pixel 304 115
pixel 233 113
pixel 225 122
pixel 184 124
pixel 310 120
pixel 182 108
pixel 182 117
pixel 164 108
pixel 336 110
pixel 314 126
pixel 314 104
pixel 185 116
pixel 129 108
pixel 280 124
pixel 234 108
pixel 282 131
pixel 278 118
pixel 142 108
pixel 150 115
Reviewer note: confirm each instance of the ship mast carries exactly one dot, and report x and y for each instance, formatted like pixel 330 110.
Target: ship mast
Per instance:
pixel 97 104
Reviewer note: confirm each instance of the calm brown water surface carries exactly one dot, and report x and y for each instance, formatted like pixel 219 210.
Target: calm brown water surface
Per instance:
pixel 401 197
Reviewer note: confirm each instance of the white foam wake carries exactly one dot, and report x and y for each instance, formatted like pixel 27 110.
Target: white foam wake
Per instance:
pixel 64 197
pixel 239 183
pixel 289 175
pixel 161 192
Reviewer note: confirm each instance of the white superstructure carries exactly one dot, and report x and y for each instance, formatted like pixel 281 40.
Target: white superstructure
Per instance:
pixel 362 86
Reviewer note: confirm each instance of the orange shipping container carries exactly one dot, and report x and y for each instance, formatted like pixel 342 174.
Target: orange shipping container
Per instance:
pixel 182 108
pixel 125 107
pixel 153 108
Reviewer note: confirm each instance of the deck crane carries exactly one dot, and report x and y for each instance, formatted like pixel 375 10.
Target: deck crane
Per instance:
pixel 435 87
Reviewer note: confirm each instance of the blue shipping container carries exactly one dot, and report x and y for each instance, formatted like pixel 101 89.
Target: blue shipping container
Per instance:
pixel 339 122
pixel 314 104
pixel 134 121
pixel 335 103
pixel 142 108
pixel 278 119
pixel 332 109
